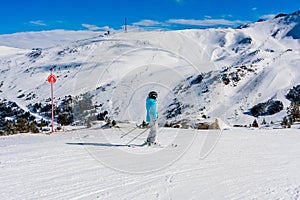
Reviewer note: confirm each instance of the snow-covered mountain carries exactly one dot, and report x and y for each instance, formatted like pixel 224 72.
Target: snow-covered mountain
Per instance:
pixel 199 74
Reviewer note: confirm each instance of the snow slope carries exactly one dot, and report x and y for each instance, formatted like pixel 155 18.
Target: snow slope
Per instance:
pixel 94 164
pixel 7 51
pixel 44 39
pixel 119 70
pixel 199 75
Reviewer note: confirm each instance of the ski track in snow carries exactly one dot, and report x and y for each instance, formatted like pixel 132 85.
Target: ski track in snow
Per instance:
pixel 96 164
pixel 244 164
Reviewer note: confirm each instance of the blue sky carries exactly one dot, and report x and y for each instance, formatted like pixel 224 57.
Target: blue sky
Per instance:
pixel 20 16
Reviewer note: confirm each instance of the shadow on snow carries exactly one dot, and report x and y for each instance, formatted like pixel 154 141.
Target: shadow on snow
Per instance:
pixel 104 144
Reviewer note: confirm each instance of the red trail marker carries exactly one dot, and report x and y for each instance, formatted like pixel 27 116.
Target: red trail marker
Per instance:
pixel 52 80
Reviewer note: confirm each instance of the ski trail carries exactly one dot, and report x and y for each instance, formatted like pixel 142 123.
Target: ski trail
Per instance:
pixel 243 164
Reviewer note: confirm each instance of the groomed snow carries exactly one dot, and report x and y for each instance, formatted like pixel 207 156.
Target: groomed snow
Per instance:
pixel 95 164
pixel 121 69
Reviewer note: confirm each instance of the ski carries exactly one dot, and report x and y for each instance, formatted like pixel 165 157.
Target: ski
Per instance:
pixel 137 145
pixel 156 145
pixel 146 144
pixel 162 146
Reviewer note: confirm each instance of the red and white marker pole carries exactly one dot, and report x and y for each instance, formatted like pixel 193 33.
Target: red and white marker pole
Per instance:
pixel 52 80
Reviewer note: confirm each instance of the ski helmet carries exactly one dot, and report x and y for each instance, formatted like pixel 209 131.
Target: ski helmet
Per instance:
pixel 152 95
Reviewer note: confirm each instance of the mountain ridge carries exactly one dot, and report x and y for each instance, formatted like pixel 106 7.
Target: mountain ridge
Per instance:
pixel 240 68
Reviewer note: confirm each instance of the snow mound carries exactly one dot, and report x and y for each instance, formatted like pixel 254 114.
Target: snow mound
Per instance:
pixel 223 125
pixel 7 51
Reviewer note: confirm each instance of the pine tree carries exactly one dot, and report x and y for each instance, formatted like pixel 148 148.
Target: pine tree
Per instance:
pixel 22 125
pixel 63 119
pixel 2 133
pixel 33 128
pixel 255 124
pixel 293 111
pixel 284 122
pixel 89 123
pixel 11 129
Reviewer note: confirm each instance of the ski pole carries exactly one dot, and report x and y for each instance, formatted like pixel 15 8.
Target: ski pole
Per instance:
pixel 137 136
pixel 128 132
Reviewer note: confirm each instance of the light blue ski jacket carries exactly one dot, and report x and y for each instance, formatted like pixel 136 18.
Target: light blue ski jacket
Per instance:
pixel 151 110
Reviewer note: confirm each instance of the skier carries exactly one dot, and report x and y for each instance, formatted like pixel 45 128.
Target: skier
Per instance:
pixel 152 117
